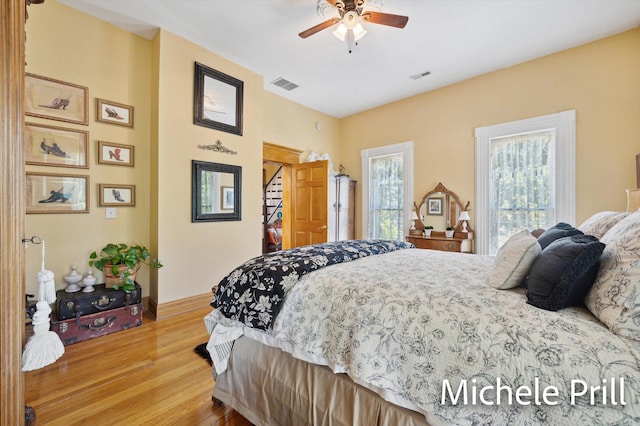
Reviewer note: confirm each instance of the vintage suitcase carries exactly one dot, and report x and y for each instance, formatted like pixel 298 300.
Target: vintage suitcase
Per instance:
pixel 95 325
pixel 73 305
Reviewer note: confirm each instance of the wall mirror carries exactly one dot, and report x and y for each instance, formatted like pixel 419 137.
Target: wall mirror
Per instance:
pixel 216 191
pixel 440 208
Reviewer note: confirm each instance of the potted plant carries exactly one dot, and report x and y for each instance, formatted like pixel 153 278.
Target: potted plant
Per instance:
pixel 427 230
pixel 449 232
pixel 120 262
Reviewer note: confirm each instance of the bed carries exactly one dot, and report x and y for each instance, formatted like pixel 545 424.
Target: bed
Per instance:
pixel 377 332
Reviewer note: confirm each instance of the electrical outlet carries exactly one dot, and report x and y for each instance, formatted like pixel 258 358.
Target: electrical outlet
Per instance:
pixel 110 213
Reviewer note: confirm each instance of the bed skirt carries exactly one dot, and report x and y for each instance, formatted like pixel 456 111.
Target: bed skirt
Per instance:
pixel 270 387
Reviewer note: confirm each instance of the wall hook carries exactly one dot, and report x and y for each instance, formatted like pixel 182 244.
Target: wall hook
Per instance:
pixel 33 240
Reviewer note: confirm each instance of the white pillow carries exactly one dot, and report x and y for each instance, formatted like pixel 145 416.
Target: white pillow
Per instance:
pixel 598 224
pixel 513 260
pixel 615 296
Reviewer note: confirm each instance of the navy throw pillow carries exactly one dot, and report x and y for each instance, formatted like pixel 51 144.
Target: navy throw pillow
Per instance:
pixel 563 272
pixel 560 230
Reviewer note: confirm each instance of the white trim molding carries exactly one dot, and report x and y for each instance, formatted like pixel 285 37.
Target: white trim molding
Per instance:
pixel 564 124
pixel 406 148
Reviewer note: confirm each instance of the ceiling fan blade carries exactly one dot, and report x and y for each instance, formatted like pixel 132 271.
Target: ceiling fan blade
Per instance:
pixel 389 19
pixel 319 27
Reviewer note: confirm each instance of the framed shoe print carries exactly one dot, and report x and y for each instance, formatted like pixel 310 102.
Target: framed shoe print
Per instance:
pixel 56 99
pixel 55 146
pixel 116 154
pixel 116 195
pixel 114 113
pixel 56 193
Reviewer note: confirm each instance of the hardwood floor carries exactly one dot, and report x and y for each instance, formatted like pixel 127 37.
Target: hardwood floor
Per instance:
pixel 144 375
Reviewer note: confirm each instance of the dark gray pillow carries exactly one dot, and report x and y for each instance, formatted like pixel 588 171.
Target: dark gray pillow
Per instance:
pixel 563 273
pixel 560 230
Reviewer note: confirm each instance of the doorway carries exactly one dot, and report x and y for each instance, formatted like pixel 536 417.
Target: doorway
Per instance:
pixel 281 157
pixel 272 201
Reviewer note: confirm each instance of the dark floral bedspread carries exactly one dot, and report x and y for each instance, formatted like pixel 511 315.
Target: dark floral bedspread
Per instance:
pixel 253 293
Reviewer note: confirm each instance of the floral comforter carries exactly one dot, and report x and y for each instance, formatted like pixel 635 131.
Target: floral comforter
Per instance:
pixel 424 330
pixel 253 292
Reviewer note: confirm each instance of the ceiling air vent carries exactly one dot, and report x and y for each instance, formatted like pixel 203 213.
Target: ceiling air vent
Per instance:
pixel 285 84
pixel 422 74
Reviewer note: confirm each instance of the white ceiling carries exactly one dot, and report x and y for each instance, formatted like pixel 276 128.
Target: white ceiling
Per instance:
pixel 453 39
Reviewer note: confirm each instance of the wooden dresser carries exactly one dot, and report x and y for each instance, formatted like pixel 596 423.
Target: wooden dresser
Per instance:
pixel 437 241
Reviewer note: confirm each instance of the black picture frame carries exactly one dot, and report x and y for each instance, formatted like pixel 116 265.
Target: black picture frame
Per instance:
pixel 209 183
pixel 217 100
pixel 434 206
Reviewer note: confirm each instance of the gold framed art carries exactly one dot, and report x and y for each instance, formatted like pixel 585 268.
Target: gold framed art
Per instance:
pixel 111 195
pixel 56 193
pixel 114 113
pixel 55 146
pixel 56 99
pixel 116 154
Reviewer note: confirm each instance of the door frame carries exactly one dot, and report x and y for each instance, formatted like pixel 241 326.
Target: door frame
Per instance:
pixel 12 209
pixel 285 156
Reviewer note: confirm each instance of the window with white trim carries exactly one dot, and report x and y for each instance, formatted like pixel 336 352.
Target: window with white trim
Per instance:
pixel 387 191
pixel 525 177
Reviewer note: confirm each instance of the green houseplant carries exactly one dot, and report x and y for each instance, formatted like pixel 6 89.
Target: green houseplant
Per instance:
pixel 427 230
pixel 120 262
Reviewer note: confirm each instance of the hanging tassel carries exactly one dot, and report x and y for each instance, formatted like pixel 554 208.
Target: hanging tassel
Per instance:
pixel 45 346
pixel 47 282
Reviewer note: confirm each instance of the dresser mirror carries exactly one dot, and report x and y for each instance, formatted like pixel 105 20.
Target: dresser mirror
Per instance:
pixel 440 208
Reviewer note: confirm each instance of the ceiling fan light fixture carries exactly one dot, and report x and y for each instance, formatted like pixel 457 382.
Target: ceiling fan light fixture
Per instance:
pixel 342 31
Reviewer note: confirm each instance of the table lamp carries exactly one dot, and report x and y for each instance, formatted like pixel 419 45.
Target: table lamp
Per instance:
pixel 464 217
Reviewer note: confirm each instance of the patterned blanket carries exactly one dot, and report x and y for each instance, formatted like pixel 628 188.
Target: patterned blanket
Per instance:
pixel 253 293
pixel 402 323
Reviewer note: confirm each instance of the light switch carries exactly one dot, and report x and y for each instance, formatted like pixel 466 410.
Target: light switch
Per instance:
pixel 110 212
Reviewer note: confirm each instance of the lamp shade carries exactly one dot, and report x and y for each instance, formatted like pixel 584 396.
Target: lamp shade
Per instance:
pixel 414 215
pixel 464 216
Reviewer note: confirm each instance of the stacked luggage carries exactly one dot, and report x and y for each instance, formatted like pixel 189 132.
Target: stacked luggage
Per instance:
pixel 82 316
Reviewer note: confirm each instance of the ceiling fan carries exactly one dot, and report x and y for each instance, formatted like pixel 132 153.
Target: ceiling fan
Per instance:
pixel 351 14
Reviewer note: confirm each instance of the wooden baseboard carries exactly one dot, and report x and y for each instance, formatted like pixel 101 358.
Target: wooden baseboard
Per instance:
pixel 175 307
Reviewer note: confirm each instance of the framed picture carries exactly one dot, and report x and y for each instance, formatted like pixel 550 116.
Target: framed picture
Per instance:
pixel 434 206
pixel 57 193
pixel 114 113
pixel 217 100
pixel 226 198
pixel 56 99
pixel 115 153
pixel 116 195
pixel 55 146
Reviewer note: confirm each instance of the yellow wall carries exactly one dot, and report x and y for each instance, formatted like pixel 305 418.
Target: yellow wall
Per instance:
pixel 198 255
pixel 289 124
pixel 115 65
pixel 156 77
pixel 600 80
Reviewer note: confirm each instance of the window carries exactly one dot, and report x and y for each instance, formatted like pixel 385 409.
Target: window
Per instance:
pixel 525 177
pixel 387 191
